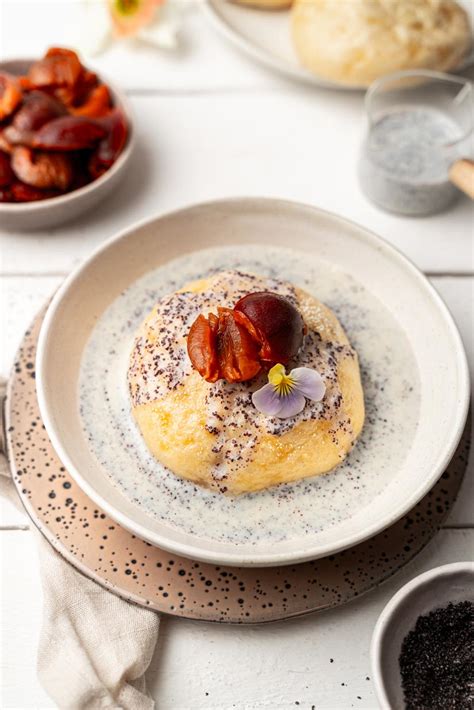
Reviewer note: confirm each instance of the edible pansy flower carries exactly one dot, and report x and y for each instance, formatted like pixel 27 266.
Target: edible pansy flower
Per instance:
pixel 153 22
pixel 285 394
pixel 130 16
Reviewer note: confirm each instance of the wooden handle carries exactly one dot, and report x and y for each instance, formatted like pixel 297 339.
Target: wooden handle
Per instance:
pixel 461 174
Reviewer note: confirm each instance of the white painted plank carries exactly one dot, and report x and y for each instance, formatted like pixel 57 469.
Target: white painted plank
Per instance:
pixel 290 144
pixel 20 619
pixel 20 300
pixel 22 297
pixel 458 294
pixel 138 66
pixel 12 518
pixel 214 667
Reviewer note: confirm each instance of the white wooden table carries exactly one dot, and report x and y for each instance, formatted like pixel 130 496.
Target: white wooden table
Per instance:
pixel 210 124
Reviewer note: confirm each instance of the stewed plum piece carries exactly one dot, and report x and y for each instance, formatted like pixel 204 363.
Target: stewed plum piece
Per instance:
pixel 278 323
pixel 222 347
pixel 236 344
pixel 68 133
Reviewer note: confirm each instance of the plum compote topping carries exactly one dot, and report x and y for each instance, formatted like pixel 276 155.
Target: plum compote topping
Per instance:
pixel 261 330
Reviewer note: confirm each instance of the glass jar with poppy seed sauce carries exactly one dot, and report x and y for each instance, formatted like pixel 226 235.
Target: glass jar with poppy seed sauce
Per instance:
pixel 420 124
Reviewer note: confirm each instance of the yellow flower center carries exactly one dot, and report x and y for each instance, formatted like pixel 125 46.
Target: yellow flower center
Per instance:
pixel 282 383
pixel 127 7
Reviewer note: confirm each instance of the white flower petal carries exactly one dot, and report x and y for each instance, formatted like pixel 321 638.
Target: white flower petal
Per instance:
pixel 160 36
pixel 266 400
pixel 92 32
pixel 309 382
pixel 163 32
pixel 291 405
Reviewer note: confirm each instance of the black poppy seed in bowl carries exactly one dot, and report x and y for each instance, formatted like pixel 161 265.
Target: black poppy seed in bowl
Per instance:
pixel 437 660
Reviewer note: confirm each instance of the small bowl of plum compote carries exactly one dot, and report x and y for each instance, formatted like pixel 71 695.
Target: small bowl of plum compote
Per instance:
pixel 65 138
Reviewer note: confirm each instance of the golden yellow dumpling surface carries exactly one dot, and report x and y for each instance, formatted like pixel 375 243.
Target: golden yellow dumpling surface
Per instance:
pixel 211 433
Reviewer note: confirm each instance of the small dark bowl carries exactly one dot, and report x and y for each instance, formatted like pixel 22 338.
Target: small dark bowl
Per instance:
pixel 431 590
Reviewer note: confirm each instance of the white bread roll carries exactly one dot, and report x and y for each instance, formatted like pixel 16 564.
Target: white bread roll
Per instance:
pixel 357 41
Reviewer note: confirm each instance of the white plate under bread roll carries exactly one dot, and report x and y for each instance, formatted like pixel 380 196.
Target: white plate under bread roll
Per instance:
pixel 265 4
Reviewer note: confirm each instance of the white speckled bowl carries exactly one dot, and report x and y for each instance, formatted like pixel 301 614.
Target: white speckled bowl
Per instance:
pixel 402 289
pixel 56 210
pixel 429 591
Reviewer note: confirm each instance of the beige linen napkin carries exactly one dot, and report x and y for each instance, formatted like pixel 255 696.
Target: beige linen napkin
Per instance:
pixel 94 647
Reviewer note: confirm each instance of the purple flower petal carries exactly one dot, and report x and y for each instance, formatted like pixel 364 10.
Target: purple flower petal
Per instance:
pixel 291 405
pixel 309 382
pixel 266 400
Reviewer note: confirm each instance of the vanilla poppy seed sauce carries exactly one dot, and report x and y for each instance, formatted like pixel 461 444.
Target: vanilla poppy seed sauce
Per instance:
pixel 389 378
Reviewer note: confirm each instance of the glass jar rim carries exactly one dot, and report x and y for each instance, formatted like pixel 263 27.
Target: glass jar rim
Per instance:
pixel 428 74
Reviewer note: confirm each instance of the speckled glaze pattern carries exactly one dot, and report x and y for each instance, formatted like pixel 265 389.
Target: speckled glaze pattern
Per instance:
pixel 151 577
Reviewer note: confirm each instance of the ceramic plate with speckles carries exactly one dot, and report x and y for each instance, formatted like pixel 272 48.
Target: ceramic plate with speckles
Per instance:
pixel 416 395
pixel 135 570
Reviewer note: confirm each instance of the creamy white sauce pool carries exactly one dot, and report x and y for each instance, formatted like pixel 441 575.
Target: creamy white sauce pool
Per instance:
pixel 389 378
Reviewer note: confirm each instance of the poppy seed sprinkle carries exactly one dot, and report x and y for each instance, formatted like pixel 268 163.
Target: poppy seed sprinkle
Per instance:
pixel 437 660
